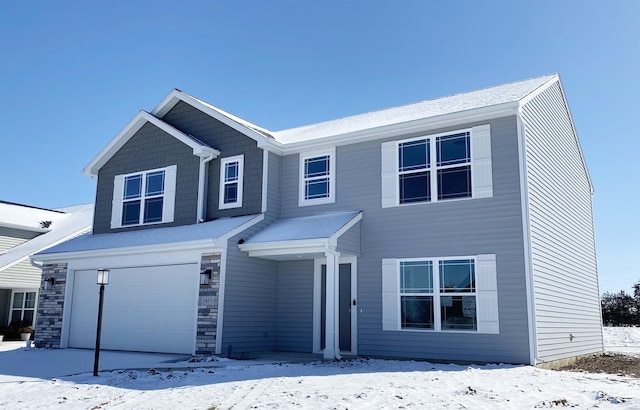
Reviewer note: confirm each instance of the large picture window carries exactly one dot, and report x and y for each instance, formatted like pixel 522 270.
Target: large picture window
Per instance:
pixel 231 182
pixel 440 294
pixel 145 197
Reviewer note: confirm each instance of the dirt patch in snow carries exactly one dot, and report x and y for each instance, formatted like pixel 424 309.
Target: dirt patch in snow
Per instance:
pixel 612 363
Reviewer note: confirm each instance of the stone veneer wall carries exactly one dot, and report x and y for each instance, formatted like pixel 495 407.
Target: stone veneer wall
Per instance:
pixel 208 306
pixel 50 305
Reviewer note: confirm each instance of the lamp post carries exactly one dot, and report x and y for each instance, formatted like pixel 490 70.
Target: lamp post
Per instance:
pixel 103 279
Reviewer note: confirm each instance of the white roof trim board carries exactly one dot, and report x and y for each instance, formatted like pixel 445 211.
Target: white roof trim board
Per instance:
pixel 478 105
pixel 199 148
pixel 464 102
pixel 68 223
pixel 212 233
pixel 308 234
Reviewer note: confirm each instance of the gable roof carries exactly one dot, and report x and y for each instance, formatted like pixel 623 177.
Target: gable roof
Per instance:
pixel 263 136
pixel 199 148
pixel 506 96
pixel 66 223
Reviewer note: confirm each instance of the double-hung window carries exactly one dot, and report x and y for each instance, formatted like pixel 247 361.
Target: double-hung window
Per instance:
pixel 317 178
pixel 145 197
pixel 440 294
pixel 23 308
pixel 453 166
pixel 231 182
pixel 438 167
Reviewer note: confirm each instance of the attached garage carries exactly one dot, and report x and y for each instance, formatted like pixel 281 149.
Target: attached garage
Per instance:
pixel 149 309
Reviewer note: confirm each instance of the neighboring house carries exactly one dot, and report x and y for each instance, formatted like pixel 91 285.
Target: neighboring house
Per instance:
pixel 25 230
pixel 458 228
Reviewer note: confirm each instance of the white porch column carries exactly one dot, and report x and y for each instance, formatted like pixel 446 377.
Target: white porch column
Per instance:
pixel 332 329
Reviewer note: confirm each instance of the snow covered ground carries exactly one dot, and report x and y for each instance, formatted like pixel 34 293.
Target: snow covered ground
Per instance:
pixel 358 384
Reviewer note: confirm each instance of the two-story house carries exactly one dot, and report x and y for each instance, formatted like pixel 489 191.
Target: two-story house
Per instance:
pixel 25 230
pixel 458 228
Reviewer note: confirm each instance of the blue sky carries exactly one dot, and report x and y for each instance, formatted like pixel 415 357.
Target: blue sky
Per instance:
pixel 74 73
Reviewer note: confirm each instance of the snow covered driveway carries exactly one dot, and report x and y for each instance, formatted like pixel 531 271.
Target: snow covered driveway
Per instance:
pixel 359 384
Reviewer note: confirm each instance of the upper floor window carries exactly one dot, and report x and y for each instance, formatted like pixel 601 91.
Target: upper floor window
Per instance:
pixel 437 167
pixel 231 182
pixel 145 197
pixel 317 178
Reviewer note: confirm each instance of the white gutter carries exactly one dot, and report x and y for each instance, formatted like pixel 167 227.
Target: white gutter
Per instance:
pixel 202 179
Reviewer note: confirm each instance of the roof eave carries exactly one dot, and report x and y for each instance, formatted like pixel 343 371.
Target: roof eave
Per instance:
pixel 419 125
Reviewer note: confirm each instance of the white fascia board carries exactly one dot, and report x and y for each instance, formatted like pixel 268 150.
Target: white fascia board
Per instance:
pixel 129 131
pixel 133 250
pixel 200 244
pixel 393 130
pixel 285 247
pixel 176 95
pixel 24 227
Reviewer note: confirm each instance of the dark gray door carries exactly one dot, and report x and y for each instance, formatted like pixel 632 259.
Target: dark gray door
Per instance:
pixel 344 306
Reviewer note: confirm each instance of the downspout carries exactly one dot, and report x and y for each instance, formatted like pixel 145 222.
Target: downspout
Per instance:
pixel 202 179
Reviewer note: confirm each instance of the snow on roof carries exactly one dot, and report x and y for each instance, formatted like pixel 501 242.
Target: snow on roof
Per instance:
pixel 26 217
pixel 506 93
pixel 162 235
pixel 306 227
pixel 65 224
pixel 263 131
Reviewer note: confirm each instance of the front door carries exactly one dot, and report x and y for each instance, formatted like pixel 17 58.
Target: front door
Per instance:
pixel 346 306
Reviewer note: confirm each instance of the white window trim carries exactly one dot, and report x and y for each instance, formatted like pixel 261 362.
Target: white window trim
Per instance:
pixel 168 202
pixel 238 203
pixel 480 163
pixel 485 294
pixel 331 153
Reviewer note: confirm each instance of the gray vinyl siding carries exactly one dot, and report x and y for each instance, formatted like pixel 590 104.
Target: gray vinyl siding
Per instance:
pixel 230 143
pixel 294 308
pixel 11 237
pixel 565 279
pixel 453 228
pixel 20 275
pixel 249 318
pixel 349 242
pixel 150 148
pixel 5 304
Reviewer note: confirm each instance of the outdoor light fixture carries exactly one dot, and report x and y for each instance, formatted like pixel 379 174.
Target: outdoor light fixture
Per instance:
pixel 205 277
pixel 103 276
pixel 103 279
pixel 48 283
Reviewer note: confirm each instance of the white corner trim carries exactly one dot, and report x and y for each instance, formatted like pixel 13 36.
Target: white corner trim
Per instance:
pixel 221 296
pixel 526 236
pixel 265 179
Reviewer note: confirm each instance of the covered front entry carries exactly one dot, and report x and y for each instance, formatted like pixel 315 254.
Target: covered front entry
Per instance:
pixel 346 305
pixel 332 240
pixel 150 309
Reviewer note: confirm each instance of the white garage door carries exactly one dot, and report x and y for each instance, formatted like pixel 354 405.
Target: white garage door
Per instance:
pixel 147 309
